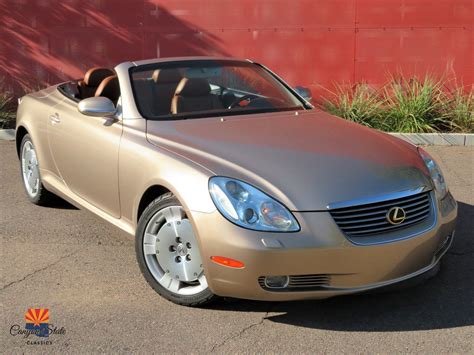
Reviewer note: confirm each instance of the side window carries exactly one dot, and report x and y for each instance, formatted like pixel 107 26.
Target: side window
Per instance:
pixel 70 90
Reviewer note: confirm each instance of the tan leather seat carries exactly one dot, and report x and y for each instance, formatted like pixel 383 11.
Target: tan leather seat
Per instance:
pixel 92 79
pixel 109 87
pixel 166 81
pixel 194 95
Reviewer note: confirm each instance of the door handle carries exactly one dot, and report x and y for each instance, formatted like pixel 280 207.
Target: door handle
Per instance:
pixel 54 119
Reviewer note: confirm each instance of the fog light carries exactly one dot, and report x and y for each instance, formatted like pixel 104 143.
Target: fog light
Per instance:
pixel 276 281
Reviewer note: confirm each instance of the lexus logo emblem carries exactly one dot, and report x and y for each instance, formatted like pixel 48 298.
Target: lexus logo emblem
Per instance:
pixel 181 249
pixel 396 215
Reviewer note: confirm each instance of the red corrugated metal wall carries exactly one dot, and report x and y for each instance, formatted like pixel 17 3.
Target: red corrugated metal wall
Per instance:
pixel 309 42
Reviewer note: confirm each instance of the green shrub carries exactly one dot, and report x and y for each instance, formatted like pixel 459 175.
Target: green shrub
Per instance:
pixel 358 103
pixel 414 105
pixel 407 105
pixel 458 109
pixel 7 113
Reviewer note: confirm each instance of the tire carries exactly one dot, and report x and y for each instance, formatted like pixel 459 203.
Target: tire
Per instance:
pixel 168 254
pixel 29 167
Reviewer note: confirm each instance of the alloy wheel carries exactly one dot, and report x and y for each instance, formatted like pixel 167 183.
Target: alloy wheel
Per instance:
pixel 30 169
pixel 172 253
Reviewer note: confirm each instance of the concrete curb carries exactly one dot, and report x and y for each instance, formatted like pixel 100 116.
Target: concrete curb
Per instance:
pixel 7 134
pixel 449 139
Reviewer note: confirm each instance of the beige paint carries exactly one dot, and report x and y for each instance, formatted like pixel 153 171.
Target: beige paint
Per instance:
pixel 105 165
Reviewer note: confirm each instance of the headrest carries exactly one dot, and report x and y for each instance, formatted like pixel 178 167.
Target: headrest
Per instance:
pixel 193 87
pixel 166 76
pixel 94 76
pixel 109 87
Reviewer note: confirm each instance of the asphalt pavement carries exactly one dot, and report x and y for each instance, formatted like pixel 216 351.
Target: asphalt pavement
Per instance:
pixel 84 271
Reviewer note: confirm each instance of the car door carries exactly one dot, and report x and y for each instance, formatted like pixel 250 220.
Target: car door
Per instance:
pixel 85 150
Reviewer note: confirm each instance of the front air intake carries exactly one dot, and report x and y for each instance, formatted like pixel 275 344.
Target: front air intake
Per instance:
pixel 300 283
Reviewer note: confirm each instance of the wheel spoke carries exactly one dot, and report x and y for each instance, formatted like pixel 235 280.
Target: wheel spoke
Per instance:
pixel 149 239
pixel 28 154
pixel 35 172
pixel 25 165
pixel 174 285
pixel 172 214
pixel 165 280
pixel 170 283
pixel 33 159
pixel 202 281
pixel 32 180
pixel 149 249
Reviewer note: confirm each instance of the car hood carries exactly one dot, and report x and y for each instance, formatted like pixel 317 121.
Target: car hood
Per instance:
pixel 306 160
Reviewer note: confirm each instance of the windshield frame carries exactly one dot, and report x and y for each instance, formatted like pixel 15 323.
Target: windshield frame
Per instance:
pixel 212 113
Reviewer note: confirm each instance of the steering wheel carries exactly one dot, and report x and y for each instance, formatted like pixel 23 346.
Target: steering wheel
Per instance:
pixel 248 97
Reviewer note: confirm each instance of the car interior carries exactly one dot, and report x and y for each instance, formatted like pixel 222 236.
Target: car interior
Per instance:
pixel 166 92
pixel 158 91
pixel 194 95
pixel 87 87
pixel 173 91
pixel 96 82
pixel 169 91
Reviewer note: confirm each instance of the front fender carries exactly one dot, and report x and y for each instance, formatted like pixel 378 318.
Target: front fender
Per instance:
pixel 143 165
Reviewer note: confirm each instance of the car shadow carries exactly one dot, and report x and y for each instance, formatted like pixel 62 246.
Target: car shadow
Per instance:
pixel 58 203
pixel 445 301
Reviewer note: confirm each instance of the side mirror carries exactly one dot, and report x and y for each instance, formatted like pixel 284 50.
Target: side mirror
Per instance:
pixel 305 93
pixel 97 106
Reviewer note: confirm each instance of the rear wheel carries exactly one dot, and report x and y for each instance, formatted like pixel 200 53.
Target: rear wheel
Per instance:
pixel 30 174
pixel 168 253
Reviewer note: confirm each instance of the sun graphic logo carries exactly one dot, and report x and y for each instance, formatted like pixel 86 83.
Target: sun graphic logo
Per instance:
pixel 37 320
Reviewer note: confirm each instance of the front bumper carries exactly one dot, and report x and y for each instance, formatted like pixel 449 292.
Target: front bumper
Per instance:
pixel 320 248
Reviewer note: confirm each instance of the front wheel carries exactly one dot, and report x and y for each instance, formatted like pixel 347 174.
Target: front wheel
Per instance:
pixel 168 253
pixel 30 174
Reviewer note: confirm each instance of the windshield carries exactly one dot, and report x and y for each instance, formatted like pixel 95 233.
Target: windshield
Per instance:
pixel 206 88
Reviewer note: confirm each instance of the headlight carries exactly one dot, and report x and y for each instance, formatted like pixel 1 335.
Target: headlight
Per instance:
pixel 441 188
pixel 249 207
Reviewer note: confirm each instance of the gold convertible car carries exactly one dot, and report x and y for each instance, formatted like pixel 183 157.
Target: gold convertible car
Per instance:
pixel 233 184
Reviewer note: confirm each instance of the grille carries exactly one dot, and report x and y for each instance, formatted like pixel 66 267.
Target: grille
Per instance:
pixel 362 220
pixel 300 282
